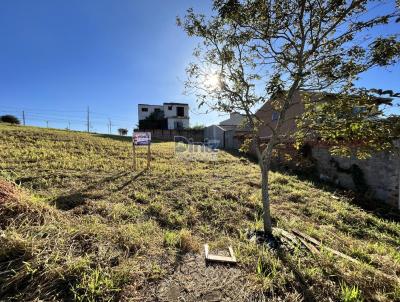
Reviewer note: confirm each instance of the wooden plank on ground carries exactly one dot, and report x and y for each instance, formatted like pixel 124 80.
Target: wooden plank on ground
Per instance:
pixel 218 258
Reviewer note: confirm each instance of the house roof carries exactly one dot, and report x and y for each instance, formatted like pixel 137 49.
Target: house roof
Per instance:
pixel 184 104
pixel 234 120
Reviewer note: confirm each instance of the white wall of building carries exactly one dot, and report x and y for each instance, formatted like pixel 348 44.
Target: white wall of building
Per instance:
pixel 142 114
pixel 172 123
pixel 170 110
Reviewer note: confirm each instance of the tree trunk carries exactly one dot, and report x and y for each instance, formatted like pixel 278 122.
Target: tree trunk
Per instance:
pixel 265 199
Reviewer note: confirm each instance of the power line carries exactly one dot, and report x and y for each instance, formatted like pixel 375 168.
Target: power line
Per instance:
pixel 68 116
pixel 57 119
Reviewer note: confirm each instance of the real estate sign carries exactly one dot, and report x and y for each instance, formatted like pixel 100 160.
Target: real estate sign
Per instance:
pixel 141 138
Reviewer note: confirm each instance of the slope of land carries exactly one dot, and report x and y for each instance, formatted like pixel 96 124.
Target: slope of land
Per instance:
pixel 78 224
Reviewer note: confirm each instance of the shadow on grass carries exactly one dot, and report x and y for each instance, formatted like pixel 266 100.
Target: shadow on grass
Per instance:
pixel 115 137
pixel 301 284
pixel 79 197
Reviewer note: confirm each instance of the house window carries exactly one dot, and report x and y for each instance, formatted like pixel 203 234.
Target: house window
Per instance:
pixel 275 115
pixel 180 111
pixel 144 109
pixel 157 110
pixel 169 107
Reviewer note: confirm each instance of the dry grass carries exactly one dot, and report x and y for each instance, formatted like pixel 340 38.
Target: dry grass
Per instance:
pixel 81 225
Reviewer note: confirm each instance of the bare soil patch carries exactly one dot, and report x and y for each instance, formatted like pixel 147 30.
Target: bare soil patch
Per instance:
pixel 196 280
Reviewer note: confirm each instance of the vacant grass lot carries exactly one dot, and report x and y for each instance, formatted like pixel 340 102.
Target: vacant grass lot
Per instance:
pixel 83 226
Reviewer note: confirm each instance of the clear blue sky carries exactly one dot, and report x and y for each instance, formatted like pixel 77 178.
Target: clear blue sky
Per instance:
pixel 57 57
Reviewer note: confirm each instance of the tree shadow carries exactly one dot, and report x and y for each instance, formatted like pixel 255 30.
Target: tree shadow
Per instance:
pixel 275 244
pixel 79 197
pixel 301 283
pixel 125 184
pixel 70 201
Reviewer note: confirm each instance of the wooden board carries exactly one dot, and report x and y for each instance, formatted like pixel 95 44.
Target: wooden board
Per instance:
pixel 218 258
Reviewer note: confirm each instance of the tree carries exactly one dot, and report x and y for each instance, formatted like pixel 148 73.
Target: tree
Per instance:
pixel 197 127
pixel 10 119
pixel 254 51
pixel 155 120
pixel 122 131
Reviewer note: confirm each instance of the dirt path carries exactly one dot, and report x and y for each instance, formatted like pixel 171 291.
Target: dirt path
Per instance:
pixel 193 281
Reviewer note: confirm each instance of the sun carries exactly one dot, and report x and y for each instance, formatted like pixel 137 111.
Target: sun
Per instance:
pixel 212 81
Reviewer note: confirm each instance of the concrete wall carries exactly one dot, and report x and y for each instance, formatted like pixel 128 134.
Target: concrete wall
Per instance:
pixel 381 173
pixel 168 135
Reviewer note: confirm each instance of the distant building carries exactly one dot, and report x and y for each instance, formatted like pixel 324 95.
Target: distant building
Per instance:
pixel 168 116
pixel 235 120
pixel 224 134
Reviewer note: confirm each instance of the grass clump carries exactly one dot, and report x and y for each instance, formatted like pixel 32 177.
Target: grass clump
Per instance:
pixel 95 285
pixel 350 293
pixel 182 240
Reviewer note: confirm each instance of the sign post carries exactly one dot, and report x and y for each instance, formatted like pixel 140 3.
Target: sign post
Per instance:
pixel 134 154
pixel 141 139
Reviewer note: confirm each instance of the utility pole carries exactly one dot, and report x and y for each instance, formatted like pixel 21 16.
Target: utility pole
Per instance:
pixel 69 125
pixel 88 120
pixel 109 126
pixel 47 124
pixel 23 117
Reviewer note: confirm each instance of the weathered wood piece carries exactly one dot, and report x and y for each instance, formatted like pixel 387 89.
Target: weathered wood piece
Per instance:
pixel 218 258
pixel 335 252
pixel 319 244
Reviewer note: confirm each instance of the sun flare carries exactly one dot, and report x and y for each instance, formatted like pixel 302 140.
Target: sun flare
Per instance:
pixel 212 81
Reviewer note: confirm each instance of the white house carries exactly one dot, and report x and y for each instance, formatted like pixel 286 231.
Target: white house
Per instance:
pixel 175 114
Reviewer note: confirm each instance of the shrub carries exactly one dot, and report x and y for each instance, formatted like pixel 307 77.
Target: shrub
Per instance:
pixel 8 118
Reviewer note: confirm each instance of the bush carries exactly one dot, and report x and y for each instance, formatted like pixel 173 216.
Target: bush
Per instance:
pixel 10 119
pixel 122 131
